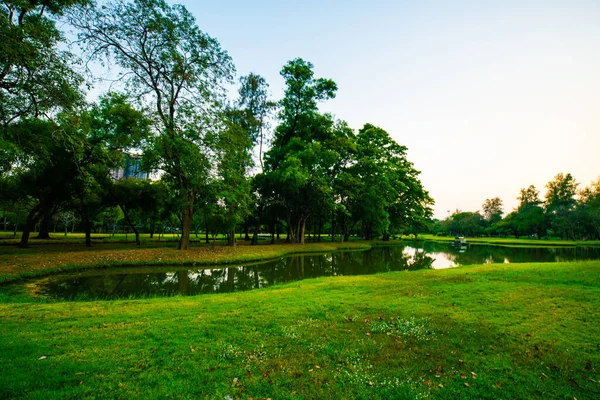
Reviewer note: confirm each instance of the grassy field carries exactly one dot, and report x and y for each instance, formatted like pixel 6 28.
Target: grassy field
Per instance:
pixel 494 331
pixel 511 241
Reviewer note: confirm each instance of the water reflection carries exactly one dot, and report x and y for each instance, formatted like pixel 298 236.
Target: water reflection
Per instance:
pixel 122 283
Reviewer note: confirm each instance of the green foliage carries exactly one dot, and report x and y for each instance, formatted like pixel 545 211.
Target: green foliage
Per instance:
pixel 389 193
pixel 36 77
pixel 176 69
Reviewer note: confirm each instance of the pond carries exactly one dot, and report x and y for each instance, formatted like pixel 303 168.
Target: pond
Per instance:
pixel 116 283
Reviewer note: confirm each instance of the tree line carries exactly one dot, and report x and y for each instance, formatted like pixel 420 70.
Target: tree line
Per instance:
pixel 565 212
pixel 254 163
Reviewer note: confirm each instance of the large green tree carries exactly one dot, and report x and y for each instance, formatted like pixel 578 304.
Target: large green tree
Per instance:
pixel 390 194
pixel 179 72
pixel 292 167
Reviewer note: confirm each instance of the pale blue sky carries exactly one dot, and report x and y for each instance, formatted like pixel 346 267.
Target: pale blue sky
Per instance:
pixel 489 96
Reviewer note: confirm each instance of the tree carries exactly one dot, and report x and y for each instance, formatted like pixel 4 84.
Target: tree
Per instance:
pixel 137 198
pixel 45 179
pixel 36 77
pixel 390 194
pixel 492 210
pixel 292 166
pixel 172 66
pixel 530 218
pixel 589 208
pixel 233 187
pixel 560 202
pixel 561 192
pixel 529 196
pixel 255 107
pixel 467 223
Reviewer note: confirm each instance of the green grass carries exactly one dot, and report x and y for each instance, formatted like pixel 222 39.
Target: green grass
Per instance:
pixel 510 241
pixel 493 331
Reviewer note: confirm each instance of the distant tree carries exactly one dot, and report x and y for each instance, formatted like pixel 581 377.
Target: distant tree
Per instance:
pixel 561 192
pixel 529 196
pixel 509 225
pixel 136 198
pixel 560 202
pixel 467 223
pixel 492 210
pixel 530 217
pixel 589 209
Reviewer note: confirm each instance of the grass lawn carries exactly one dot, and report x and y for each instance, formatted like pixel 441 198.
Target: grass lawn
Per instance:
pixel 493 331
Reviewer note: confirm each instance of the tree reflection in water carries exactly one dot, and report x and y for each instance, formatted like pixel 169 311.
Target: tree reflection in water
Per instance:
pixel 124 283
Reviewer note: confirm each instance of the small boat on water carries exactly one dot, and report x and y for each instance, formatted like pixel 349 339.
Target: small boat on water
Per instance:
pixel 460 241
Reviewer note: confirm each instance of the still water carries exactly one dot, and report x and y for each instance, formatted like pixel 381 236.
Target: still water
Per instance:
pixel 169 281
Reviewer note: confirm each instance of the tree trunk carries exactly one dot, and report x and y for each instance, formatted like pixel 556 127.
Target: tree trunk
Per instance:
pixel 45 223
pixel 186 221
pixel 246 230
pixel 29 225
pixel 231 238
pixel 333 225
pixel 273 228
pixel 320 228
pixel 206 235
pixel 256 225
pixel 131 225
pixel 302 226
pixel 290 230
pixel 87 226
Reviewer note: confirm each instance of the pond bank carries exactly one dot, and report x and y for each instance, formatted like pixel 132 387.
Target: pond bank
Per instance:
pixel 18 263
pixel 496 241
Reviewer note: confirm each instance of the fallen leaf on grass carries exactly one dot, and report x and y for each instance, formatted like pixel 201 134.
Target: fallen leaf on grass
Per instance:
pixel 42 358
pixel 573 382
pixel 466 384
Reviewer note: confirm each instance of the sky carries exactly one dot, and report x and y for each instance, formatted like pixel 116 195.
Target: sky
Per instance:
pixel 488 96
